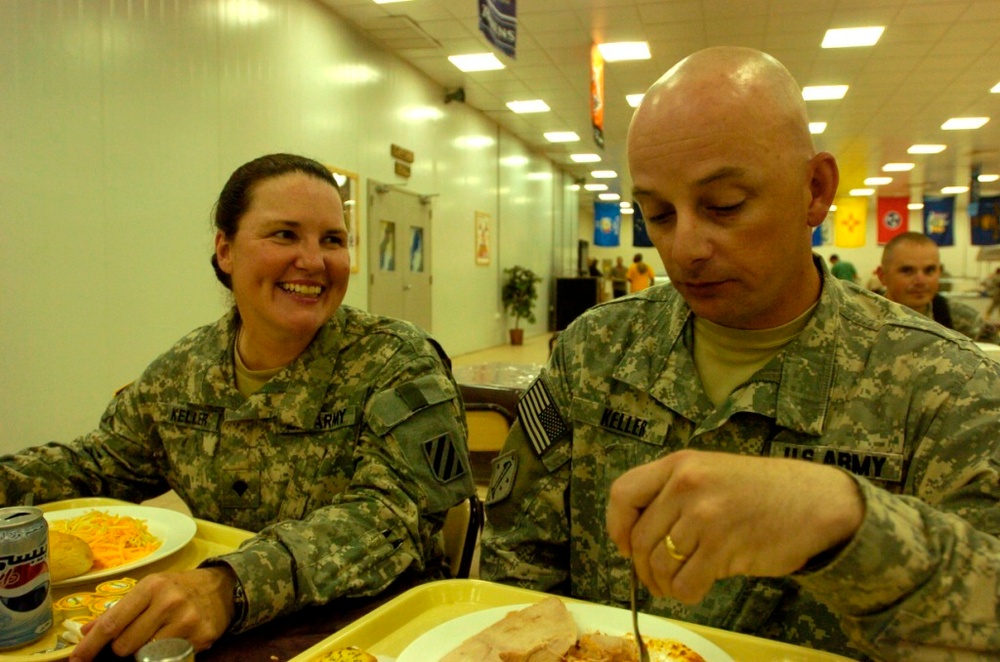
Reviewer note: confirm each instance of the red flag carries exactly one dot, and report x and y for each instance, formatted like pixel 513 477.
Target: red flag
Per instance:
pixel 893 218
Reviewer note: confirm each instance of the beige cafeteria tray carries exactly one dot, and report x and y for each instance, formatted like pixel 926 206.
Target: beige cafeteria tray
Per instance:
pixel 209 540
pixel 387 630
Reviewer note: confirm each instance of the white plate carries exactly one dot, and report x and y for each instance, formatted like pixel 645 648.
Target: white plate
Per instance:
pixel 441 640
pixel 173 528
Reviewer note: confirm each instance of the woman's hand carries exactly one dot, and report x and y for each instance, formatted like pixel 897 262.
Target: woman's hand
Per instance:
pixel 728 515
pixel 196 605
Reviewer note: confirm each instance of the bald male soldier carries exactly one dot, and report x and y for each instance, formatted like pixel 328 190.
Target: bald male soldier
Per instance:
pixel 911 273
pixel 780 453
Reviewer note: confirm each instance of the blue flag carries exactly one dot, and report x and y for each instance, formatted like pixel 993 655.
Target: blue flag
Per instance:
pixel 498 23
pixel 986 222
pixel 607 224
pixel 939 220
pixel 639 236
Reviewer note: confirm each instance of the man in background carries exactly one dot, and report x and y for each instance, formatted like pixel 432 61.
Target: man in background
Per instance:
pixel 619 278
pixel 911 273
pixel 842 269
pixel 640 275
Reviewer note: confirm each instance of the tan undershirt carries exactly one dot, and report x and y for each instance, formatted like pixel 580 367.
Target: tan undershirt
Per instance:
pixel 727 357
pixel 250 381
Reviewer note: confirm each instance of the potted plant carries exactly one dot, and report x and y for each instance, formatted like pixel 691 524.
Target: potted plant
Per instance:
pixel 519 294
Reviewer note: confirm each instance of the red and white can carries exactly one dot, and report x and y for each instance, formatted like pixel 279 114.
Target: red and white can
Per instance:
pixel 25 595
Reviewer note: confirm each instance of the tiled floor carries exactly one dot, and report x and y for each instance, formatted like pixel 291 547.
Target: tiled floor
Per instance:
pixel 534 350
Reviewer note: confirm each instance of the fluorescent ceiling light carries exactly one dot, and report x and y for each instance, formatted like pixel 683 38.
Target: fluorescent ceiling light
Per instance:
pixel 609 197
pixel 823 92
pixel 515 161
pixel 562 136
pixel 852 37
pixel 635 99
pixel 915 205
pixel 603 174
pixel 897 167
pixel 858 192
pixel 988 178
pixel 596 187
pixel 817 127
pixel 476 62
pixel 954 190
pixel 530 106
pixel 833 208
pixel 584 158
pixel 625 204
pixel 624 50
pixel 627 210
pixel 573 187
pixel 878 181
pixel 959 123
pixel 995 89
pixel 926 149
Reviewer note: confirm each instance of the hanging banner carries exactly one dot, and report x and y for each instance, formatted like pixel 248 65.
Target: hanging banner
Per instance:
pixel 607 224
pixel 849 222
pixel 597 94
pixel 986 222
pixel 821 233
pixel 893 218
pixel 498 23
pixel 639 236
pixel 939 220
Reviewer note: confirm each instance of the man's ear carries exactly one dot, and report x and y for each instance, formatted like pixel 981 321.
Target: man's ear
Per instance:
pixel 824 176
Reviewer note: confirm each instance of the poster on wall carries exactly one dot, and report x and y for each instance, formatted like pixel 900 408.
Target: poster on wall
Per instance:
pixel 483 232
pixel 348 183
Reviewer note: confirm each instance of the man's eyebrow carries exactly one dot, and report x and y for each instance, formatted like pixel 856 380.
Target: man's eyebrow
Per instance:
pixel 725 172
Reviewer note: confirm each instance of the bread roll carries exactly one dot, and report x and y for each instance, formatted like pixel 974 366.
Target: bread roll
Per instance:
pixel 69 555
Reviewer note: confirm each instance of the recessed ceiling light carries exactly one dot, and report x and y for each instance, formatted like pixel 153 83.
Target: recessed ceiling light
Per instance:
pixel 584 158
pixel 823 92
pixel 817 127
pixel 609 197
pixel 625 204
pixel 562 136
pixel 852 37
pixel 915 205
pixel 959 123
pixel 897 167
pixel 862 191
pixel 995 89
pixel 627 210
pixel 954 190
pixel 926 149
pixel 635 99
pixel 624 50
pixel 833 208
pixel 988 178
pixel 596 187
pixel 476 62
pixel 530 106
pixel 603 174
pixel 878 181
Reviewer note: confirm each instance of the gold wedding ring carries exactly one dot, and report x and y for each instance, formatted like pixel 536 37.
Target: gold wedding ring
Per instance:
pixel 672 550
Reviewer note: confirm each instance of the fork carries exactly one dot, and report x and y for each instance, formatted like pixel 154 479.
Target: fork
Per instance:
pixel 633 583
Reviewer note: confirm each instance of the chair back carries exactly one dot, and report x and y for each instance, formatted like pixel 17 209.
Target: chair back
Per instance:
pixel 462 527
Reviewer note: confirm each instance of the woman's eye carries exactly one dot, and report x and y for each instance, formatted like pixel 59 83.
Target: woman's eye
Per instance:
pixel 336 240
pixel 284 234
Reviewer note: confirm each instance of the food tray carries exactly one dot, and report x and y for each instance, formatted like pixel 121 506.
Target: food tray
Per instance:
pixel 210 540
pixel 389 629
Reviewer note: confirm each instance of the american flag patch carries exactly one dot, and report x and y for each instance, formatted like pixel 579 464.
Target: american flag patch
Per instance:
pixel 443 458
pixel 540 418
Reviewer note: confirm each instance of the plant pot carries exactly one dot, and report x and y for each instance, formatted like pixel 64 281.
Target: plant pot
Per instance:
pixel 516 336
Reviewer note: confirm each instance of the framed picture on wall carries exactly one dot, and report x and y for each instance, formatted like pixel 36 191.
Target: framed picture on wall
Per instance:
pixel 349 187
pixel 483 237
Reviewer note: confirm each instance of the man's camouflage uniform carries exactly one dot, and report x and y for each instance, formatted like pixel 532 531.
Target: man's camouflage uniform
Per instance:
pixel 345 462
pixel 909 408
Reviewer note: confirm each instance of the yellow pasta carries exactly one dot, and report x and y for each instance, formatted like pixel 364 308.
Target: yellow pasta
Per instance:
pixel 115 540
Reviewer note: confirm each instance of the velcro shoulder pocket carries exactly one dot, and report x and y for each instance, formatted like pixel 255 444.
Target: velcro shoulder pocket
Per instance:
pixel 390 408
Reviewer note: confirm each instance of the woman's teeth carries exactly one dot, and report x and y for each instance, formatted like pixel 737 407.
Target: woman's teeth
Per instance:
pixel 307 290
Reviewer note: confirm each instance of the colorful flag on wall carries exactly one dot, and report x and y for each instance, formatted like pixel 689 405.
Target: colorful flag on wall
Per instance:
pixel 939 220
pixel 639 236
pixel 821 233
pixel 849 222
pixel 597 94
pixel 607 224
pixel 986 222
pixel 893 218
pixel 498 23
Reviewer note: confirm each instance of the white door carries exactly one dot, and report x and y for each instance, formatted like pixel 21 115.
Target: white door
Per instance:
pixel 399 254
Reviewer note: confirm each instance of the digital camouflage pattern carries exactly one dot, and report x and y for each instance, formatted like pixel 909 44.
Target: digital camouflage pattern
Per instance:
pixel 910 408
pixel 966 320
pixel 345 462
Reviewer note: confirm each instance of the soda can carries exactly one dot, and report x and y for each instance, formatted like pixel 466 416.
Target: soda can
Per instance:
pixel 25 596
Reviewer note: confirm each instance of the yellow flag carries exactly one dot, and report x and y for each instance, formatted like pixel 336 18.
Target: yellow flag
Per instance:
pixel 850 221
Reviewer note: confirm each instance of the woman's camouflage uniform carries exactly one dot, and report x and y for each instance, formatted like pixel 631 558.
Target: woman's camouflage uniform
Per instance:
pixel 345 462
pixel 909 408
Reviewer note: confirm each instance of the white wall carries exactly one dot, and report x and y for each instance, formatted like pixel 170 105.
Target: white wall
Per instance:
pixel 121 119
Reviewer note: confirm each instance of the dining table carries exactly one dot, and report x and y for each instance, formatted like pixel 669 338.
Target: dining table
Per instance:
pixel 400 618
